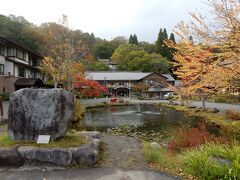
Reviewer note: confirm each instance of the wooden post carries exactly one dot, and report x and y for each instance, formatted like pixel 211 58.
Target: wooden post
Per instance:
pixel 1 105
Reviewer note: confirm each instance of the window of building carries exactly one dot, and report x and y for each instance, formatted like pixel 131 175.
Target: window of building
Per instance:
pixel 33 74
pixel 21 54
pixel 21 71
pixel 2 69
pixel 2 50
pixel 11 51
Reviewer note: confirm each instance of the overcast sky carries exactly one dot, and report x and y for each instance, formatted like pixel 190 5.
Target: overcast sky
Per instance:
pixel 107 18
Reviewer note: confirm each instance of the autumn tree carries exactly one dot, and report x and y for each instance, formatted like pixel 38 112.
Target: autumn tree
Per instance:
pixel 62 56
pixel 212 61
pixel 88 88
pixel 140 88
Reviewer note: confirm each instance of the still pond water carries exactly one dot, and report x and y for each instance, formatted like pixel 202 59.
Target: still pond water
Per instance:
pixel 149 119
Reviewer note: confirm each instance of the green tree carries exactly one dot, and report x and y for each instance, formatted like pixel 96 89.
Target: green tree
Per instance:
pixel 161 46
pixel 103 50
pixel 172 37
pixel 131 57
pixel 149 48
pixel 97 66
pixel 149 63
pixel 19 30
pixel 120 54
pixel 133 39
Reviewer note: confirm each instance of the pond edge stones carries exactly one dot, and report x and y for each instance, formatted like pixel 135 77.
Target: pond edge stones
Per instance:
pixel 34 112
pixel 85 155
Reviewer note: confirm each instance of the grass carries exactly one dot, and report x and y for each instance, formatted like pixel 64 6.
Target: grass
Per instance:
pixel 67 141
pixel 229 127
pixel 225 98
pixel 196 163
pixel 163 160
pixel 199 162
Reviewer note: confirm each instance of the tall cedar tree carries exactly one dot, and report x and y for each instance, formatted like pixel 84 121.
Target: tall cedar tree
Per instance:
pixel 161 47
pixel 133 39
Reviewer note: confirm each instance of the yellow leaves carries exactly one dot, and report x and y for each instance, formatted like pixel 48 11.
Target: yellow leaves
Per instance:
pixel 214 60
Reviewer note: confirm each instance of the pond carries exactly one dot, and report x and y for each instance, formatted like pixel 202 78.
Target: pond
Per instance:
pixel 143 119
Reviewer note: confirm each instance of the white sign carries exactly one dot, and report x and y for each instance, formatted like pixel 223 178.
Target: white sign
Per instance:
pixel 43 139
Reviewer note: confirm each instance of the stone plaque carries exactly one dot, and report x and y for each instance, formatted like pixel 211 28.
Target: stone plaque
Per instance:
pixel 43 139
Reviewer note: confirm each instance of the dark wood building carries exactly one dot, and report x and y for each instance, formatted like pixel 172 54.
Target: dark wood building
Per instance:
pixel 121 83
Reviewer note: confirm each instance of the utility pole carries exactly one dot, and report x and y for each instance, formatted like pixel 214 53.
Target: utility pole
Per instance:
pixel 1 106
pixel 129 84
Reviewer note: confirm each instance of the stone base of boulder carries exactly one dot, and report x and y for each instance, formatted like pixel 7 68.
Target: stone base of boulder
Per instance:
pixel 85 155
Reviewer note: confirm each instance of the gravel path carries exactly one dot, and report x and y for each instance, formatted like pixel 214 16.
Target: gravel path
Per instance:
pixel 122 152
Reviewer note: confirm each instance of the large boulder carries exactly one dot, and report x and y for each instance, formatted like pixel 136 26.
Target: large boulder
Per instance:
pixel 34 112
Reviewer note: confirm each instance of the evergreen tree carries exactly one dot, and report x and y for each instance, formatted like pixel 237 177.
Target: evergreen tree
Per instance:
pixel 161 47
pixel 131 40
pixel 165 35
pixel 135 39
pixel 172 38
pixel 159 42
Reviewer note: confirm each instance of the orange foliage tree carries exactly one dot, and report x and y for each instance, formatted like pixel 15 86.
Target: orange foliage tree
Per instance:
pixel 210 60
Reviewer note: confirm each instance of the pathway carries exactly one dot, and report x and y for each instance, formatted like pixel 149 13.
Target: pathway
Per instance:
pixel 84 174
pixel 122 152
pixel 122 160
pixel 220 106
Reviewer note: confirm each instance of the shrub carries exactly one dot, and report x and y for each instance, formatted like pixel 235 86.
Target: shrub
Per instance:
pixel 192 137
pixel 121 101
pixel 5 96
pixel 233 115
pixel 152 155
pixel 199 162
pixel 224 98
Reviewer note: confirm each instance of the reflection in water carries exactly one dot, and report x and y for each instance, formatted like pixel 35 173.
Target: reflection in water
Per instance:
pixel 150 116
pixel 150 122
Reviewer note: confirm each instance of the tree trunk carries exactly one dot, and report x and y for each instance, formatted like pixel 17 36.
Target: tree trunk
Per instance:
pixel 204 105
pixel 55 82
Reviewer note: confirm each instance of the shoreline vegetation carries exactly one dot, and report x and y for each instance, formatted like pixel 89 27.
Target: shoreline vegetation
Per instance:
pixel 215 159
pixel 189 162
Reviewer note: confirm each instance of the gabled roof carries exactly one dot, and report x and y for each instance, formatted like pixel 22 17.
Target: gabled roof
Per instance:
pixel 169 77
pixel 122 75
pixel 116 75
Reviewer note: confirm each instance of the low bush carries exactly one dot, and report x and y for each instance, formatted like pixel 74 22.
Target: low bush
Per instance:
pixel 213 161
pixel 5 96
pixel 226 98
pixel 233 115
pixel 152 155
pixel 121 101
pixel 192 137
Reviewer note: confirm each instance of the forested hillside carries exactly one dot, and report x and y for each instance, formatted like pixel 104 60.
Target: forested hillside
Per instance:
pixel 137 56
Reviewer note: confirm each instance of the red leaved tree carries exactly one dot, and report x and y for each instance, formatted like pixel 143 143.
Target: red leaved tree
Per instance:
pixel 88 88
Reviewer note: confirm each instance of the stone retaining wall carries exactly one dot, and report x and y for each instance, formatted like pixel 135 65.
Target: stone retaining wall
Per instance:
pixel 29 155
